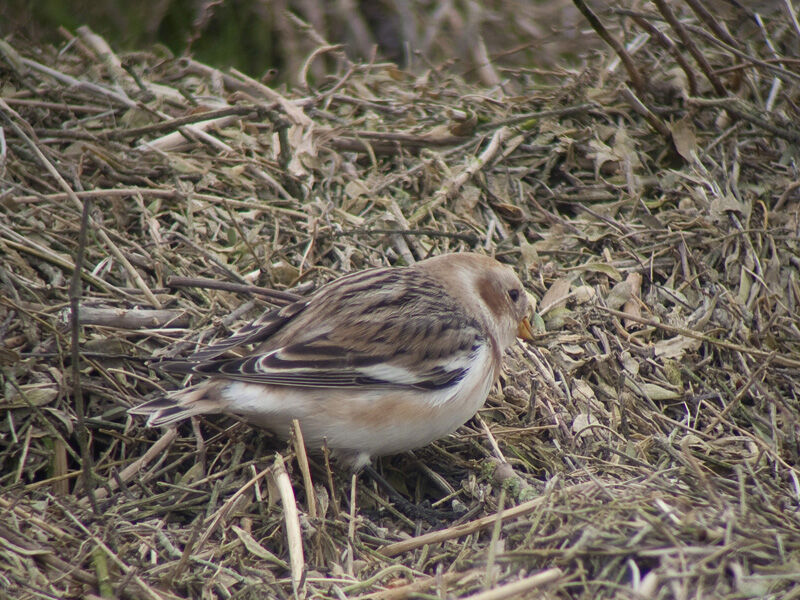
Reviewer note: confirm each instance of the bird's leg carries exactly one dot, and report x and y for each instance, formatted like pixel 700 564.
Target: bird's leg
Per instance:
pixel 408 508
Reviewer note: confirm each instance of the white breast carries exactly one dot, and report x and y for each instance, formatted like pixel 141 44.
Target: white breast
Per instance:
pixel 347 419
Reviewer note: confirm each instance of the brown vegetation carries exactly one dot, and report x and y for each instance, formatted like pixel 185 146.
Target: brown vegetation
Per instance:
pixel 645 446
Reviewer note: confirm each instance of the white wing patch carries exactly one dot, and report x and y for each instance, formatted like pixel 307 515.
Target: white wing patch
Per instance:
pixel 474 385
pixel 387 372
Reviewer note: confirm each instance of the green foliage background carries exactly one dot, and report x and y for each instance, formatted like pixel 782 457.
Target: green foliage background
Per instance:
pixel 237 33
pixel 259 37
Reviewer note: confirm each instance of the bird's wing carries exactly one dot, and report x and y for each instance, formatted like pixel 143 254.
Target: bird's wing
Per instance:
pixel 382 328
pixel 321 364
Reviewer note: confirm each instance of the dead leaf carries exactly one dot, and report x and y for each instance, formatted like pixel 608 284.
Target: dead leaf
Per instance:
pixel 618 295
pixel 556 295
pixel 604 268
pixel 676 347
pixel 582 391
pixel 684 138
pixel 656 392
pixel 256 549
pixel 633 306
pixel 582 425
pixel 584 294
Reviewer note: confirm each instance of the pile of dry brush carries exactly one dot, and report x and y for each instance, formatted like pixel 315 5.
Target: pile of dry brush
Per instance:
pixel 646 445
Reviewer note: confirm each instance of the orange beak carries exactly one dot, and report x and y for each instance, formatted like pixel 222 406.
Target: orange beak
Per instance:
pixel 524 330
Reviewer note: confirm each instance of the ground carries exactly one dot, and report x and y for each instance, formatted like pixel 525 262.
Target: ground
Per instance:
pixel 644 445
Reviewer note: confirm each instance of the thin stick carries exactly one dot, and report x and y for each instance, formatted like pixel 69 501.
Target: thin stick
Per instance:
pixel 453 186
pixel 116 559
pixel 463 529
pixel 275 296
pixel 75 328
pixel 223 511
pixel 680 30
pixel 491 557
pixel 133 318
pixel 302 461
pixel 636 78
pixel 641 108
pixel 492 442
pixel 292 520
pixel 294 113
pixel 670 46
pixel 712 22
pixel 154 451
pixel 517 589
pixel 404 592
pixel 249 111
pixel 784 361
pixel 351 526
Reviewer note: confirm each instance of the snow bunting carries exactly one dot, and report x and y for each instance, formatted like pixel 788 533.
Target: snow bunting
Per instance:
pixel 376 362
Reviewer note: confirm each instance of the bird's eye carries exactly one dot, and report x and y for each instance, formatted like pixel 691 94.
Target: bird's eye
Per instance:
pixel 514 295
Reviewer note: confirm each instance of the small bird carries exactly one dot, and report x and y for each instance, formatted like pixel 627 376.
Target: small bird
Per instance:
pixel 376 362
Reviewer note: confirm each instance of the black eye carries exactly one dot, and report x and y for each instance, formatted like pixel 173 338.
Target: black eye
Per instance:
pixel 514 295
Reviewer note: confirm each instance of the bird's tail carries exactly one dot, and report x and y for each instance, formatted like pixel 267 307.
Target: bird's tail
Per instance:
pixel 179 405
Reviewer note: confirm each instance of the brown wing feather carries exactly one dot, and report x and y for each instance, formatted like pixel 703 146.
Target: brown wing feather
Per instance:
pixel 396 327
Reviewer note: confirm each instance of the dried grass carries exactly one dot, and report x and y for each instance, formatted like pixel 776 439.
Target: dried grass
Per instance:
pixel 645 446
